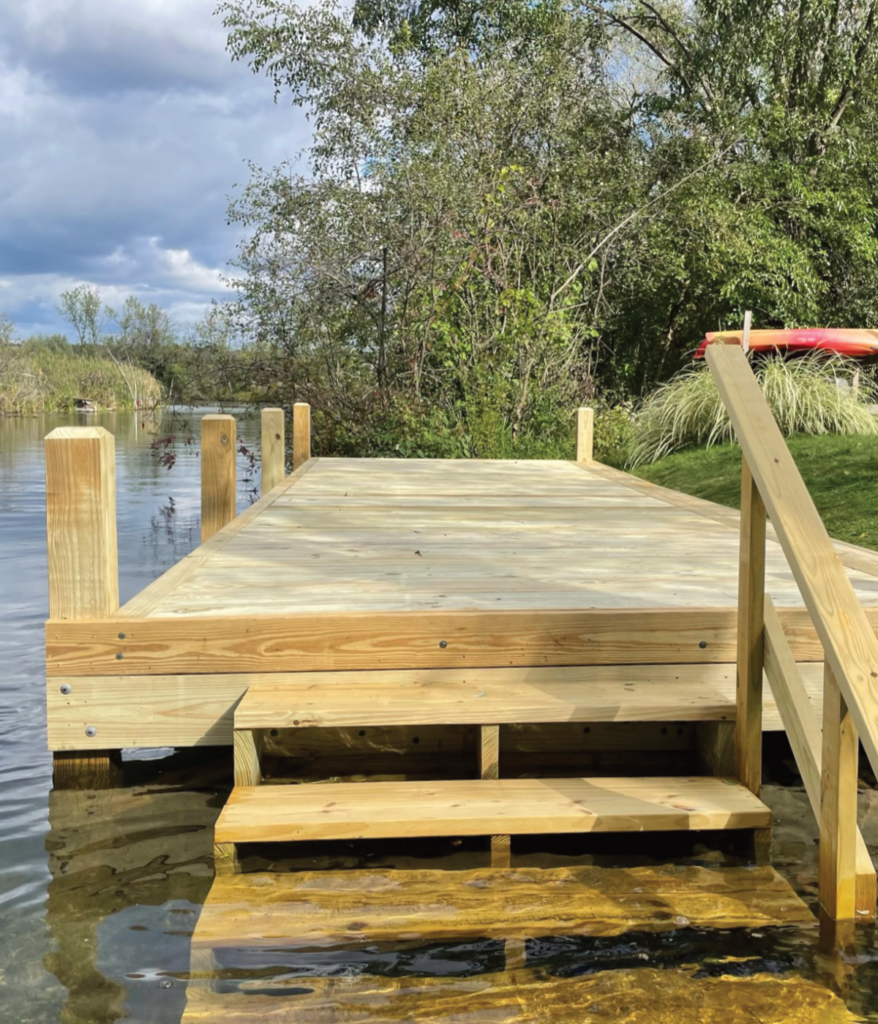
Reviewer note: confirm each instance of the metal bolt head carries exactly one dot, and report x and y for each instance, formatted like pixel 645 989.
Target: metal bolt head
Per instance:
pixel 121 636
pixel 90 731
pixel 443 643
pixel 702 644
pixel 65 688
pixel 119 656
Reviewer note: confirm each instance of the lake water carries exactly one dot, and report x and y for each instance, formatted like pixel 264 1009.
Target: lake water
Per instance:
pixel 99 891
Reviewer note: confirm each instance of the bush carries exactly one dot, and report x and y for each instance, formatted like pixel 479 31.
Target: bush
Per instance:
pixel 811 394
pixel 46 379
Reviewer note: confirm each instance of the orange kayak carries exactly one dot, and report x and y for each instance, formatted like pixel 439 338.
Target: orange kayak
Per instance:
pixel 846 341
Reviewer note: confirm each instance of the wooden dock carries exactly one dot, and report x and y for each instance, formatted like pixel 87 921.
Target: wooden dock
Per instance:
pixel 476 648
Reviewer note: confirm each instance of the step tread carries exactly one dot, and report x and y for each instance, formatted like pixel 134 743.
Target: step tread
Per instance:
pixel 485 807
pixel 603 693
pixel 327 908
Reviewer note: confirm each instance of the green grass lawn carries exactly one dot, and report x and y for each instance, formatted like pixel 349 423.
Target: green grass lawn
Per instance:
pixel 841 473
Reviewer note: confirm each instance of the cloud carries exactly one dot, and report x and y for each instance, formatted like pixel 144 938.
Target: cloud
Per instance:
pixel 124 128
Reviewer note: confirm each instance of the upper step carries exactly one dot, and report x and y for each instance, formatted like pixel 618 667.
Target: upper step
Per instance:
pixel 377 810
pixel 600 693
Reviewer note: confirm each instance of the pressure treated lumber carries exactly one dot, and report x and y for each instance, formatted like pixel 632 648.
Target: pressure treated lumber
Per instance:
pixel 803 728
pixel 751 594
pixel 218 453
pixel 385 640
pixel 198 710
pixel 636 996
pixel 612 693
pixel 81 523
pixel 584 435
pixel 838 805
pixel 486 807
pixel 273 451
pixel 848 639
pixel 326 908
pixel 301 434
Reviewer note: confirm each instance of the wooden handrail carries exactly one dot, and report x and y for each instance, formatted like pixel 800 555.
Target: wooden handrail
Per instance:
pixel 850 645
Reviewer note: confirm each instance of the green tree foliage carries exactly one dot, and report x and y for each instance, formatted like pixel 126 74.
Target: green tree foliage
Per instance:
pixel 512 206
pixel 81 308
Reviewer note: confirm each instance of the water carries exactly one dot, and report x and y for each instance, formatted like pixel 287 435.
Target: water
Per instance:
pixel 100 891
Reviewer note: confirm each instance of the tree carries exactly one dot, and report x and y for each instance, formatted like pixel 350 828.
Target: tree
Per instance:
pixel 81 308
pixel 7 329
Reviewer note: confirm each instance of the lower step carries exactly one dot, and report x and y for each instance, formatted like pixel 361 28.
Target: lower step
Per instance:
pixel 377 810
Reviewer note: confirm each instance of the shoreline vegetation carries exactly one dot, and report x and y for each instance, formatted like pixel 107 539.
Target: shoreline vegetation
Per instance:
pixel 40 379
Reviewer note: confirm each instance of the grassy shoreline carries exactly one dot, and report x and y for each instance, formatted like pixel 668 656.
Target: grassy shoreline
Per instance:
pixel 49 381
pixel 840 471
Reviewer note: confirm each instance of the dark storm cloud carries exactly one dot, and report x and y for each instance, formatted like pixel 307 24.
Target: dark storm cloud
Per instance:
pixel 123 128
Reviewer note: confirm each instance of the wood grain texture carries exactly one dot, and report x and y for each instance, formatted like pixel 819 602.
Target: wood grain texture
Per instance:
pixel 486 807
pixel 612 693
pixel 489 751
pixel 636 996
pixel 218 489
pixel 144 602
pixel 584 435
pixel 247 748
pixel 838 806
pixel 81 523
pixel 301 434
pixel 387 640
pixel 198 710
pixel 841 623
pixel 273 451
pixel 751 597
pixel 326 908
pixel 803 727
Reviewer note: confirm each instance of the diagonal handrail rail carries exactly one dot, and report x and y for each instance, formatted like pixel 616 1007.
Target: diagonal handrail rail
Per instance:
pixel 772 483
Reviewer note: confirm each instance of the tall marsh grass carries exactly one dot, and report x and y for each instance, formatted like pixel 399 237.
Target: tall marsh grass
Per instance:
pixel 50 381
pixel 812 394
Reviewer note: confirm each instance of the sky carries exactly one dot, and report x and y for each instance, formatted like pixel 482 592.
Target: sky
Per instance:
pixel 124 130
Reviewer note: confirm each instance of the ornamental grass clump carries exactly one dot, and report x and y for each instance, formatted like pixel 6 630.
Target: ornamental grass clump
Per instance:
pixel 811 394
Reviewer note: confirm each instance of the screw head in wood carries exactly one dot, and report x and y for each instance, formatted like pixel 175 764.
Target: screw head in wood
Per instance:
pixel 65 688
pixel 224 439
pixel 119 656
pixel 90 731
pixel 443 643
pixel 702 644
pixel 121 636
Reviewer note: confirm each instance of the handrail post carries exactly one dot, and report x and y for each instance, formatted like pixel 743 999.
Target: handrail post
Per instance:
pixel 301 434
pixel 838 805
pixel 585 435
pixel 751 628
pixel 218 488
pixel 273 452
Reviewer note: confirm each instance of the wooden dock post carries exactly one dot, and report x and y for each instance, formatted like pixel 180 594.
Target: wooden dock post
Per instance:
pixel 751 630
pixel 301 434
pixel 273 451
pixel 585 435
pixel 218 491
pixel 83 557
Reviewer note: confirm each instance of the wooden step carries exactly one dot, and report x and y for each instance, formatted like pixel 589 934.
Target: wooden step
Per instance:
pixel 274 814
pixel 601 693
pixel 381 905
pixel 646 995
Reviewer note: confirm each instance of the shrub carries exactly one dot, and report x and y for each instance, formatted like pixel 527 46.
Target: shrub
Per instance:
pixel 811 394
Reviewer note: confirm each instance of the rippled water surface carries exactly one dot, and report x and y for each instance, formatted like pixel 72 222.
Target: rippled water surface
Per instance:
pixel 100 890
